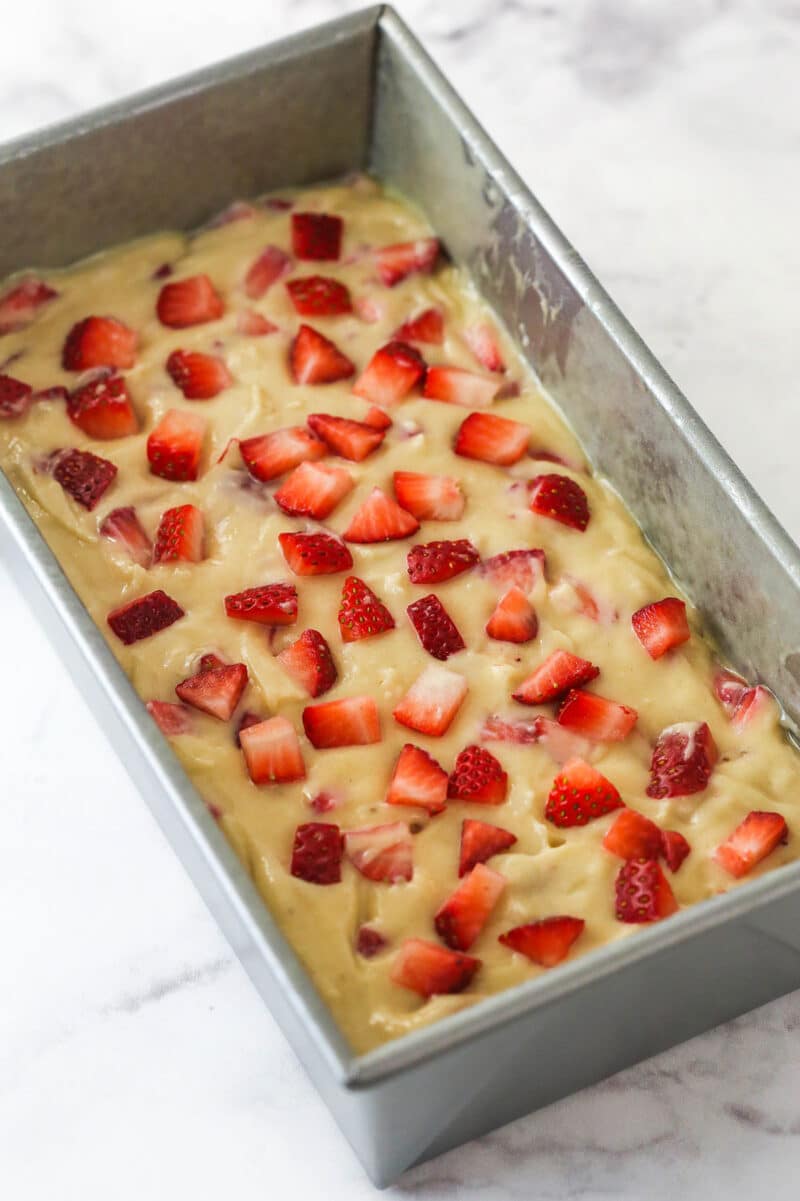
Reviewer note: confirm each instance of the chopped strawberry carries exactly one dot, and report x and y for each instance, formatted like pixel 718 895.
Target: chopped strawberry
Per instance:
pixel 317 853
pixel 397 261
pixel 271 264
pixel 86 477
pixel 253 324
pixel 102 408
pixel 180 535
pixel 460 920
pixel 429 497
pixel 491 439
pixel 314 359
pixel 316 235
pixel 418 780
pixel 310 663
pixel 381 853
pixel 269 455
pixel 315 554
pixel 560 672
pixel 752 840
pixel 435 562
pixel 247 720
pixel 351 721
pixel 272 752
pixel 580 794
pixel 478 777
pixel 99 342
pixel 191 301
pixel 456 386
pixel 428 969
pixel 323 802
pixel 376 419
pixel 390 374
pixel 175 445
pixel 596 717
pixel 15 397
pixel 755 701
pixel 661 626
pixel 124 527
pixel 352 440
pixel 427 326
pixel 561 744
pixel 481 841
pixel 380 519
pixel 481 340
pixel 435 627
pixel 548 941
pixel 729 690
pixel 361 613
pixel 319 296
pixel 674 848
pixel 560 498
pixel 369 942
pixel 170 718
pixel 514 618
pixel 368 309
pixel 521 568
pixel 268 605
pixel 633 836
pixel 587 602
pixel 144 616
pixel 683 760
pixel 217 691
pixel 432 701
pixel 313 490
pixel 199 376
pixel 210 662
pixel 643 892
pixel 521 730
pixel 19 306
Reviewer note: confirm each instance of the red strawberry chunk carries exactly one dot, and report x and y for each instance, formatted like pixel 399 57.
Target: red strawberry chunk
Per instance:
pixel 247 720
pixel 175 445
pixel 271 264
pixel 384 854
pixel 269 455
pixel 481 841
pixel 310 663
pixel 521 730
pixel 316 235
pixel 124 527
pixel 377 419
pixel 217 691
pixel 739 700
pixel 460 920
pixel 427 326
pixel 729 690
pixel 429 497
pixel 253 324
pixel 144 616
pixel 19 306
pixel 99 342
pixel 361 613
pixel 456 386
pixel 588 602
pixel 268 605
pixel 579 795
pixel 272 752
pixel 520 568
pixel 683 760
pixel 514 618
pixel 315 554
pixel 352 440
pixel 191 301
pixel 351 721
pixel 319 296
pixel 180 535
pixel 380 519
pixel 170 718
pixel 661 626
pixel 15 397
pixel 400 259
pixel 482 341
pixel 313 490
pixel 546 942
pixel 560 672
pixel 478 777
pixel 755 701
pixel 561 744
pixel 633 836
pixel 199 376
pixel 432 701
pixel 210 662
pixel 428 969
pixel 560 498
pixel 317 853
pixel 86 477
pixel 643 893
pixel 435 627
pixel 435 562
pixel 390 374
pixel 596 717
pixel 674 848
pixel 752 840
pixel 314 359
pixel 369 942
pixel 418 780
pixel 102 408
pixel 491 439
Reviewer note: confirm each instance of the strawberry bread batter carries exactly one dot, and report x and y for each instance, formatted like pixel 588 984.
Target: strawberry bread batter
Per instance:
pixel 441 696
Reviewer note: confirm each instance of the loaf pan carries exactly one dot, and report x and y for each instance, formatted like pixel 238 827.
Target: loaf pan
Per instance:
pixel 361 94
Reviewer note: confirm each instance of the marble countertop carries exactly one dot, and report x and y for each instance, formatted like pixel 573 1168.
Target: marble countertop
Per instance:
pixel 135 1058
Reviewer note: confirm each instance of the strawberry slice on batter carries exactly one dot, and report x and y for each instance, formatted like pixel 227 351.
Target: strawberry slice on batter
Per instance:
pixel 515 568
pixel 643 893
pixel 478 777
pixel 351 721
pixel 384 854
pixel 123 527
pixel 99 342
pixel 428 969
pixel 317 236
pixel 361 613
pixel 560 672
pixel 435 562
pixel 272 752
pixel 455 385
pixel 313 490
pixel 596 717
pixel 175 445
pixel 427 326
pixel 190 301
pixel 418 780
pixel 84 476
pixel 102 408
pixel 560 498
pixel 579 795
pixel 267 456
pixel 491 439
pixel 683 759
pixel 352 440
pixel 319 296
pixel 514 618
pixel 435 627
pixel 460 920
pixel 180 535
pixel 216 692
pixel 547 941
pixel 310 663
pixel 752 840
pixel 315 554
pixel 16 397
pixel 482 341
pixel 402 259
pixel 380 519
pixel 392 372
pixel 432 701
pixel 317 853
pixel 20 305
pixel 661 626
pixel 199 376
pixel 267 604
pixel 144 616
pixel 314 359
pixel 429 497
pixel 481 841
pixel 270 266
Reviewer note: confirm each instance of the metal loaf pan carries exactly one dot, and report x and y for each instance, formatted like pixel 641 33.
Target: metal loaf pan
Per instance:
pixel 360 93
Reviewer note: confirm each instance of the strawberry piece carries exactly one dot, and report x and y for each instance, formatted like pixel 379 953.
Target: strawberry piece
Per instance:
pixel 432 701
pixel 253 324
pixel 380 519
pixel 560 672
pixel 400 259
pixel 180 535
pixel 481 841
pixel 477 777
pixel 560 498
pixel 561 744
pixel 19 306
pixel 418 780
pixel 143 617
pixel 310 663
pixel 191 301
pixel 579 795
pixel 352 721
pixel 381 853
pixel 314 359
pixel 435 627
pixel 102 408
pixel 216 691
pixel 369 942
pixel 491 439
pixel 316 236
pixel 428 969
pixel 460 920
pixel 352 440
pixel 546 942
pixel 683 760
pixel 514 618
pixel 99 342
pixel 754 702
pixel 588 603
pixel 481 340
pixel 124 527
pixel 170 718
pixel 427 326
pixel 519 568
pixel 247 720
pixel 315 554
pixel 643 893
pixel 435 562
pixel 661 626
pixel 729 690
pixel 272 752
pixel 268 605
pixel 361 613
pixel 376 419
pixel 674 848
pixel 175 445
pixel 86 477
pixel 521 730
pixel 596 717
pixel 266 270
pixel 210 662
pixel 317 853
pixel 319 296
pixel 633 836
pixel 199 376
pixel 390 374
pixel 429 497
pixel 313 490
pixel 752 840
pixel 15 397
pixel 456 386
pixel 269 455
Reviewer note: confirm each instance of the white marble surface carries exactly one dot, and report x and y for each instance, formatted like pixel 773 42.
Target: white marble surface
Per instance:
pixel 135 1058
